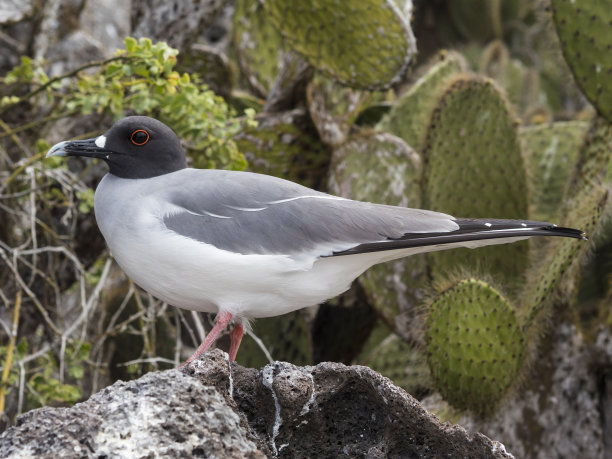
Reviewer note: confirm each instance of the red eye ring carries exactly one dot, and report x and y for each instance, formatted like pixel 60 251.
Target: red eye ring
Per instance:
pixel 138 139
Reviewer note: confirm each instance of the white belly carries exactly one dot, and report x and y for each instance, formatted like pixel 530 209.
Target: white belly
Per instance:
pixel 197 276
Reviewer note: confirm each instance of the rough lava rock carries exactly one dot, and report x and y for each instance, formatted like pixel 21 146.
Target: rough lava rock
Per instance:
pixel 213 409
pixel 177 22
pixel 164 414
pixel 15 10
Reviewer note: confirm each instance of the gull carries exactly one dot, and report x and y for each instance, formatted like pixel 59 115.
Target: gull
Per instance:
pixel 246 245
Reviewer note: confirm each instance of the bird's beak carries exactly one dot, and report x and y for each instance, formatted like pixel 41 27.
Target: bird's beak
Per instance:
pixel 91 148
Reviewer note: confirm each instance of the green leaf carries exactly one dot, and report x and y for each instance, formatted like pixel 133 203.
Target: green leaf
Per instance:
pixel 130 44
pixel 86 200
pixel 8 100
pixel 76 371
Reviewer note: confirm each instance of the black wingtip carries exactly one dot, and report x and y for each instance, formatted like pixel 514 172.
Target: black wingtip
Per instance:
pixel 566 232
pixel 471 230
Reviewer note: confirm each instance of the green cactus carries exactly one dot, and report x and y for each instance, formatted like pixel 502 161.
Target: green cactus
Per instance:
pixel 286 338
pixel 482 20
pixel 475 345
pixel 258 46
pixel 584 202
pixel 285 145
pixel 550 151
pixel 495 59
pixel 594 157
pixel 211 66
pixel 333 108
pixel 290 84
pixel 520 84
pixel 474 168
pixel 380 167
pixel 410 115
pixel 376 167
pixel 551 278
pixel 394 358
pixel 478 20
pixel 583 207
pixel 366 44
pixel 562 255
pixel 584 32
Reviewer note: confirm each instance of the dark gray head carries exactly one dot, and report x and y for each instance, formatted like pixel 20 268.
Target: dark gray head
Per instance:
pixel 135 147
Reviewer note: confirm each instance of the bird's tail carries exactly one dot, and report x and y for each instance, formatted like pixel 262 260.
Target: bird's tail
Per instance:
pixel 472 233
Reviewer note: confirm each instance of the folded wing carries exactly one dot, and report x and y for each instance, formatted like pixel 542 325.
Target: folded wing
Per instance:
pixel 257 214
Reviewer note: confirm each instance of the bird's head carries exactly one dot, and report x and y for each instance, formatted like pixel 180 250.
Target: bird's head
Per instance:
pixel 134 147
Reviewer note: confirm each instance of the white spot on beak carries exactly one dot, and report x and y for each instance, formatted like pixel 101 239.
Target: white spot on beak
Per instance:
pixel 488 225
pixel 524 225
pixel 100 141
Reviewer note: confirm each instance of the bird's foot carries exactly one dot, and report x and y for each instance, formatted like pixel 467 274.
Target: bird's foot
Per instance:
pixel 223 320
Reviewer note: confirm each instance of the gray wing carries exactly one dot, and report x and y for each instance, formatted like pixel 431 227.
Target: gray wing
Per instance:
pixel 258 214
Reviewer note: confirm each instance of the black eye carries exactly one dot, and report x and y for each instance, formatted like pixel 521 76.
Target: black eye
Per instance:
pixel 139 137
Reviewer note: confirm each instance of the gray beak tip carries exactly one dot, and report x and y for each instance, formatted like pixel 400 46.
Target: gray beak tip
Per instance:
pixel 57 150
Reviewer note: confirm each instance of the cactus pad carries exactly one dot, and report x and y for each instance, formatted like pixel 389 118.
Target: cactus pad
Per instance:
pixel 366 44
pixel 478 20
pixel 594 157
pixel 258 46
pixel 410 116
pixel 584 32
pixel 212 66
pixel 285 145
pixel 475 346
pixel 474 168
pixel 333 108
pixel 379 167
pixel 400 362
pixel 520 83
pixel 286 338
pixel 550 151
pixel 546 284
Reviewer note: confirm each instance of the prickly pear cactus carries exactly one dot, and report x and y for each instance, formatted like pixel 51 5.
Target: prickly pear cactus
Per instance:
pixel 551 151
pixel 286 338
pixel 477 19
pixel 410 115
pixel 594 157
pixel 474 168
pixel 475 345
pixel 483 20
pixel 366 44
pixel 290 83
pixel 380 167
pixel 520 84
pixel 376 167
pixel 258 46
pixel 212 66
pixel 333 108
pixel 584 32
pixel 404 364
pixel 583 206
pixel 284 144
pixel 548 278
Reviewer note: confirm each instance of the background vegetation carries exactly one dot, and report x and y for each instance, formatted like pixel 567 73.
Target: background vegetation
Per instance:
pixel 504 112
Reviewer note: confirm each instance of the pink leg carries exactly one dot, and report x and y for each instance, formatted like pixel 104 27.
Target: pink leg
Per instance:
pixel 223 319
pixel 235 338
